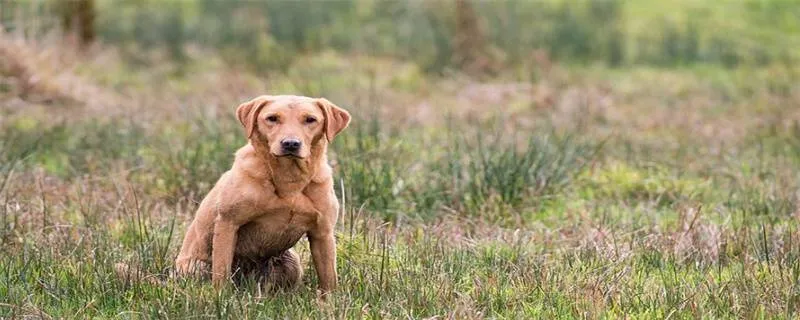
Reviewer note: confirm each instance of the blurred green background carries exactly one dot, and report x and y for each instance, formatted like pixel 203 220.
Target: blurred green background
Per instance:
pixel 437 35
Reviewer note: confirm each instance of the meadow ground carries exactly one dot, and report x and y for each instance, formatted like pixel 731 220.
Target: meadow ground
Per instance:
pixel 573 193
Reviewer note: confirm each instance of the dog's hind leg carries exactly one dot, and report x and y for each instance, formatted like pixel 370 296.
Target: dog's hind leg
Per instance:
pixel 282 272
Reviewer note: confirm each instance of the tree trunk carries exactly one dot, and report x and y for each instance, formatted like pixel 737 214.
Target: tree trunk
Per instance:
pixel 471 50
pixel 77 19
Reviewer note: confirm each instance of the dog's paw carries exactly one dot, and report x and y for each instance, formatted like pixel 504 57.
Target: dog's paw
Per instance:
pixel 191 267
pixel 324 298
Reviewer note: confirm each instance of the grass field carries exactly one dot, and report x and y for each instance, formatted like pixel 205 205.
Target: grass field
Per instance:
pixel 573 192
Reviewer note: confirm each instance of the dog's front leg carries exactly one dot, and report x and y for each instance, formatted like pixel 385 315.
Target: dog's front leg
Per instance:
pixel 195 256
pixel 323 252
pixel 222 249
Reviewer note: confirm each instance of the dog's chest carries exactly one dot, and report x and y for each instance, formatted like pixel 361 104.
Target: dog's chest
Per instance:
pixel 273 232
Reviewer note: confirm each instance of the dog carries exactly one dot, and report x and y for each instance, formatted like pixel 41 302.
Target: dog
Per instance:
pixel 279 189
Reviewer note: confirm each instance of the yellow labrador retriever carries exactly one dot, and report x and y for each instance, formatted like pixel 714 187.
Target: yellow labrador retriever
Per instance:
pixel 279 189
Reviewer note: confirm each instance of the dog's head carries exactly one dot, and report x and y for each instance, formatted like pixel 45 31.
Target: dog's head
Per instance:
pixel 289 125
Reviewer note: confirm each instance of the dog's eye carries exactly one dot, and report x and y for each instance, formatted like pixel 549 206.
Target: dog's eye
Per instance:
pixel 272 118
pixel 311 119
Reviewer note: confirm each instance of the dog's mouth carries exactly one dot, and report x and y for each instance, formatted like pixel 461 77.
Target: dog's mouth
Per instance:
pixel 288 155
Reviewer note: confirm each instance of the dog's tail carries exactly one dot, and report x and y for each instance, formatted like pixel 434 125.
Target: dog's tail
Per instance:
pixel 283 272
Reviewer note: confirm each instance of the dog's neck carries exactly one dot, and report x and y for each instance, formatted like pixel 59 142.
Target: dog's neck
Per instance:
pixel 291 175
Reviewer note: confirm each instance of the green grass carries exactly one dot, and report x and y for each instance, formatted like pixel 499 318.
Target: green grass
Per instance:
pixel 477 227
pixel 414 272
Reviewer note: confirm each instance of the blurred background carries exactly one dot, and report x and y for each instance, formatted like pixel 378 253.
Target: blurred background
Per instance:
pixel 477 36
pixel 581 147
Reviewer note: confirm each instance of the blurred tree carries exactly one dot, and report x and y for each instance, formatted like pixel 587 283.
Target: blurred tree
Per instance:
pixel 441 36
pixel 616 47
pixel 471 49
pixel 174 33
pixel 77 19
pixel 606 27
pixel 571 37
pixel 691 47
pixel 3 13
pixel 671 44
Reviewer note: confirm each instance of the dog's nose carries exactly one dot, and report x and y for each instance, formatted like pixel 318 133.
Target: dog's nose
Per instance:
pixel 291 145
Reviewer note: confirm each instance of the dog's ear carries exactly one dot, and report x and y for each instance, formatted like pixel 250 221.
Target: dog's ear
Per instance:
pixel 336 119
pixel 247 113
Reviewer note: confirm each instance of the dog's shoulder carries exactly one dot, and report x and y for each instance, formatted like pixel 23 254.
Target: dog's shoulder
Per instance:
pixel 324 172
pixel 247 164
pixel 246 183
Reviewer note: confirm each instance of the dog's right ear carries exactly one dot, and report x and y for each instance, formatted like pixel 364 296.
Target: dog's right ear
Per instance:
pixel 248 113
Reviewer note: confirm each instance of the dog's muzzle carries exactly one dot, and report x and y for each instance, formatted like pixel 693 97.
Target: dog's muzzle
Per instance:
pixel 291 146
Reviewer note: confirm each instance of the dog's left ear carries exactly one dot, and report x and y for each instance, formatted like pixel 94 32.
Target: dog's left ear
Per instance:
pixel 248 113
pixel 336 119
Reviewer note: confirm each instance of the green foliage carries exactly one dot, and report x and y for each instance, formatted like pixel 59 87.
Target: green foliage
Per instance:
pixel 17 143
pixel 372 167
pixel 654 184
pixel 187 159
pixel 53 147
pixel 478 173
pixel 473 175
